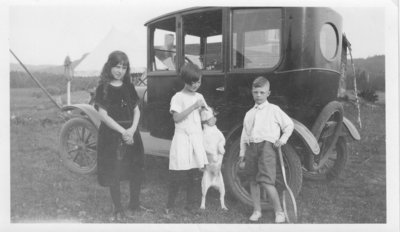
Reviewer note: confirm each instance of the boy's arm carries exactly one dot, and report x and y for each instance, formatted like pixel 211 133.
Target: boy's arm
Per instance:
pixel 286 125
pixel 243 140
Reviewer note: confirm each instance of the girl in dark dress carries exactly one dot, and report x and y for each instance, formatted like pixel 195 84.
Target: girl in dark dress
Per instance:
pixel 119 146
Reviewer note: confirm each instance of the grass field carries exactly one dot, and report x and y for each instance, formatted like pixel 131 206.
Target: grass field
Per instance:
pixel 43 190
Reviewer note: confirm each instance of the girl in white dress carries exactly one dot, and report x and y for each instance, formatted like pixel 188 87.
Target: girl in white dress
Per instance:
pixel 187 152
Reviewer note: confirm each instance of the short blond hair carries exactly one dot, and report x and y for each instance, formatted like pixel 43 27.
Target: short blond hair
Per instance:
pixel 260 82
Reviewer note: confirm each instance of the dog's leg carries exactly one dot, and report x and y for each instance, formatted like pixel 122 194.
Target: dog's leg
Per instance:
pixel 204 188
pixel 222 192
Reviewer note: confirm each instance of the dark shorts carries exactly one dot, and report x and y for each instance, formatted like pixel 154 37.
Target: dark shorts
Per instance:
pixel 260 162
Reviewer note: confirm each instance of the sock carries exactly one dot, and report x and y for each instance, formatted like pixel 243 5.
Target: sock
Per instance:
pixel 135 184
pixel 115 192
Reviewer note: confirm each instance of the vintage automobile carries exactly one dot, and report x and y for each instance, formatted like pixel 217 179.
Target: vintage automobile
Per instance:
pixel 300 50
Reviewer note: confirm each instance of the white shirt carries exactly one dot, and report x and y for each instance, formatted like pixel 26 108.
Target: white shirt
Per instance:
pixel 268 121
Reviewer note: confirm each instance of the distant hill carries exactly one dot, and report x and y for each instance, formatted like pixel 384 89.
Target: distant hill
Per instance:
pixel 370 73
pixel 374 65
pixel 52 69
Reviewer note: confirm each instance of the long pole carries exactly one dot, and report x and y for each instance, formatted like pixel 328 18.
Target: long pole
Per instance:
pixel 355 89
pixel 68 92
pixel 36 81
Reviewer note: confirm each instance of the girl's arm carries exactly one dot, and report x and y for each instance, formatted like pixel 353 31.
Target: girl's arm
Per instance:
pixel 178 117
pixel 110 122
pixel 136 117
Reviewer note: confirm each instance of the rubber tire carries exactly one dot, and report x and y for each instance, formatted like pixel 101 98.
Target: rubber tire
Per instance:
pixel 290 157
pixel 64 135
pixel 337 168
pixel 341 160
pixel 330 109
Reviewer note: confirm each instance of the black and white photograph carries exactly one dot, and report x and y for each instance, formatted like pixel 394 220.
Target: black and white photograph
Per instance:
pixel 200 115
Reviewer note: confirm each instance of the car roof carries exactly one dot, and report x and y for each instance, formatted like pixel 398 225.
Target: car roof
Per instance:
pixel 178 12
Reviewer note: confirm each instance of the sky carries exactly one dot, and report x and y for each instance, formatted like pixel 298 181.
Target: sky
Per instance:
pixel 42 32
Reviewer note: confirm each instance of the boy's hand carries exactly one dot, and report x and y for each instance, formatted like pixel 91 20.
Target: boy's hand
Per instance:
pixel 241 162
pixel 279 143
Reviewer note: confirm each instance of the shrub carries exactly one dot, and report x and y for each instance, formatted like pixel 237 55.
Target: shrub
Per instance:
pixel 53 90
pixel 344 98
pixel 369 95
pixel 37 94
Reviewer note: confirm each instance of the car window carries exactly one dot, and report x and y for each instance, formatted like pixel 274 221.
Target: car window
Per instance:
pixel 203 39
pixel 256 38
pixel 328 41
pixel 164 46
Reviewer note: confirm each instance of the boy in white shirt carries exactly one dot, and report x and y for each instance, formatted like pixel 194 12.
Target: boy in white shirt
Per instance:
pixel 261 133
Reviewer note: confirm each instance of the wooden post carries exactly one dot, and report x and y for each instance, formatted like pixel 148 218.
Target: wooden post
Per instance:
pixel 68 92
pixel 69 75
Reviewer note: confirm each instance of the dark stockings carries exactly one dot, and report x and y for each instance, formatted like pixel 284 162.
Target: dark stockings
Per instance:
pixel 135 183
pixel 115 192
pixel 177 179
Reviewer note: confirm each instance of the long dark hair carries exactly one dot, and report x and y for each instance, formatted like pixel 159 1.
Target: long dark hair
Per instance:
pixel 115 58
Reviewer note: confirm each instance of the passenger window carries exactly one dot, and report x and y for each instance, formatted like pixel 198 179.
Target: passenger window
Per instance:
pixel 203 39
pixel 256 38
pixel 164 46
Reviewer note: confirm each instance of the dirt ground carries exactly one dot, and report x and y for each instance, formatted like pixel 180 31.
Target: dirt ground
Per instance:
pixel 43 190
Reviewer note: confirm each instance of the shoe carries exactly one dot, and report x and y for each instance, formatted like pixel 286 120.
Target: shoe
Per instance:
pixel 118 216
pixel 168 212
pixel 280 217
pixel 146 208
pixel 255 216
pixel 140 208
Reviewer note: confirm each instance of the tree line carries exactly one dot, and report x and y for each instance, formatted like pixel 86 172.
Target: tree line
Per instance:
pixel 369 72
pixel 56 83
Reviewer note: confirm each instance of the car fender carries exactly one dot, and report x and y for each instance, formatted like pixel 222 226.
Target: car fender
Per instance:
pixel 142 93
pixel 351 129
pixel 308 138
pixel 85 110
pixel 302 131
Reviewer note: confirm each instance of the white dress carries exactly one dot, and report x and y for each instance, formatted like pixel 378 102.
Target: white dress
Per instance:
pixel 187 149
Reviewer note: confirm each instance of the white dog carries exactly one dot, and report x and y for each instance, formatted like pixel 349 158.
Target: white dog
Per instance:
pixel 214 142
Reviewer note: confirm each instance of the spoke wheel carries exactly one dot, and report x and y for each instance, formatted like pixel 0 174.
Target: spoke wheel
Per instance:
pixel 333 152
pixel 78 145
pixel 238 182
